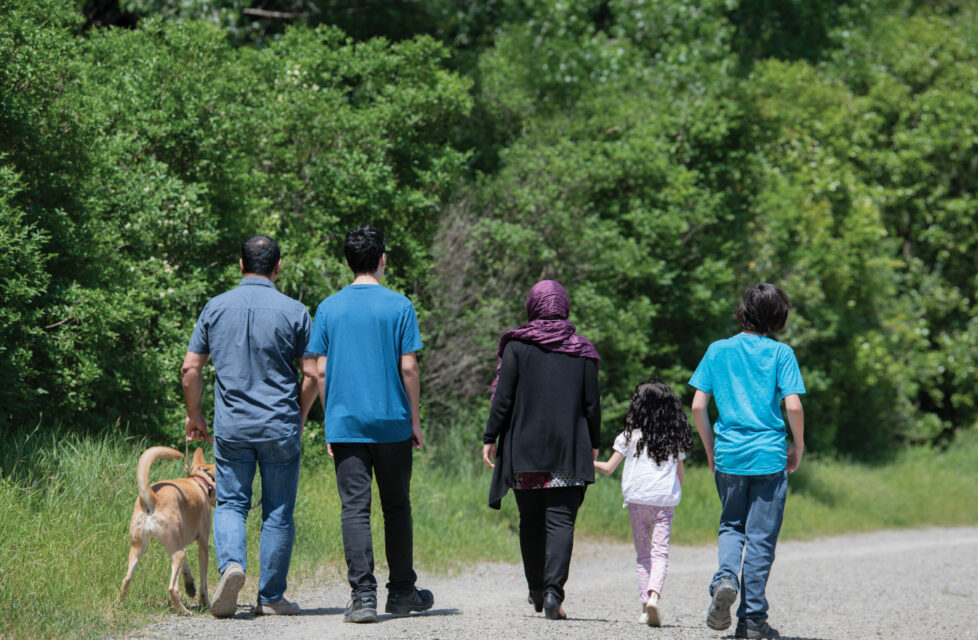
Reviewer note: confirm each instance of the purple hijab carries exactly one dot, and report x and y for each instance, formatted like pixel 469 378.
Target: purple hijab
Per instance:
pixel 547 308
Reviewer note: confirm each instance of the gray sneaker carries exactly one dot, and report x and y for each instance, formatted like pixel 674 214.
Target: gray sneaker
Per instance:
pixel 280 607
pixel 718 615
pixel 756 630
pixel 361 609
pixel 225 602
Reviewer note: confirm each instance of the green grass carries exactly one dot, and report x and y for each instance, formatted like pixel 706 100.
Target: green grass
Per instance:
pixel 66 501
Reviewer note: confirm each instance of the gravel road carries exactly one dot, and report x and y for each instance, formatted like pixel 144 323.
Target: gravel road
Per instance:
pixel 890 584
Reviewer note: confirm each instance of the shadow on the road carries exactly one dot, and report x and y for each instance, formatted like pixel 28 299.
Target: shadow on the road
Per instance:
pixel 323 611
pixel 731 636
pixel 433 612
pixel 247 612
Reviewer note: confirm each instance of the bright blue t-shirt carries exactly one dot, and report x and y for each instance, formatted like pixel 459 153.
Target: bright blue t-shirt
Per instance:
pixel 363 330
pixel 748 375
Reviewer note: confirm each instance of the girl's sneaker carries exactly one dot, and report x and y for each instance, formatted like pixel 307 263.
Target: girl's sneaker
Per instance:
pixel 653 618
pixel 644 617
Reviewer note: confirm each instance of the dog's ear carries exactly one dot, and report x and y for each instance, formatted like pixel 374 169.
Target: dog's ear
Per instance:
pixel 198 458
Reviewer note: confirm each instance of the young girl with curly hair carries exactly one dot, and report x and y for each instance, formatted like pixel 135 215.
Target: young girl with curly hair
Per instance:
pixel 653 440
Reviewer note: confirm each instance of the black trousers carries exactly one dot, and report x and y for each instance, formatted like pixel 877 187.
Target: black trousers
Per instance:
pixel 355 465
pixel 547 519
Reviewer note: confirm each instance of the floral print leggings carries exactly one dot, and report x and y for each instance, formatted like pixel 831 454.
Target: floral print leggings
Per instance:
pixel 651 527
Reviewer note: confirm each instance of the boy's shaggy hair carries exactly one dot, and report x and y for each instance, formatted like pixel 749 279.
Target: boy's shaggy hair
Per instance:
pixel 363 248
pixel 657 414
pixel 763 309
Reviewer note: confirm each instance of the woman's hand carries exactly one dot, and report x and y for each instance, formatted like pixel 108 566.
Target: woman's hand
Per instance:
pixel 489 455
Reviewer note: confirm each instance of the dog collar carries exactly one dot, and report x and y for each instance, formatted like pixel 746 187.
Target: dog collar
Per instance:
pixel 208 487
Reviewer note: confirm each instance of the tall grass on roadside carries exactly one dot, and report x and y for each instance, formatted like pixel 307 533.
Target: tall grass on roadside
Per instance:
pixel 65 504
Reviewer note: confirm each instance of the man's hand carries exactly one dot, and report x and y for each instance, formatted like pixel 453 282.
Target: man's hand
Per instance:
pixel 489 454
pixel 417 440
pixel 197 428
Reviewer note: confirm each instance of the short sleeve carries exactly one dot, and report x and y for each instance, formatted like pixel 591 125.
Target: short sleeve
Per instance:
pixel 318 339
pixel 620 446
pixel 701 377
pixel 789 375
pixel 303 336
pixel 198 339
pixel 410 334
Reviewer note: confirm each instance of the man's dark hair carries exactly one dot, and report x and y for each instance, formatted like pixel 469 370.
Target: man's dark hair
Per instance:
pixel 764 309
pixel 363 248
pixel 259 255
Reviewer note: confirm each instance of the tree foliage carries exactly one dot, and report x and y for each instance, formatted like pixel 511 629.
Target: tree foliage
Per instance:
pixel 655 157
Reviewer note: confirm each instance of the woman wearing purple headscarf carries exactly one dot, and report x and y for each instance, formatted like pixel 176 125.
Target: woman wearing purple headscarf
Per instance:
pixel 546 415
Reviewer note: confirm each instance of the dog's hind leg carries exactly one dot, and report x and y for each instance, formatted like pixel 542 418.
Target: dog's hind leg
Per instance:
pixel 177 559
pixel 135 553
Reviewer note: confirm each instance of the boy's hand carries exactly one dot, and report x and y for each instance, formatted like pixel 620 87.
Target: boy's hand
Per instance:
pixel 794 458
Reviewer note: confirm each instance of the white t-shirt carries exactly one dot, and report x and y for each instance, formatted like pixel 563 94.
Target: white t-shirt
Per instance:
pixel 645 482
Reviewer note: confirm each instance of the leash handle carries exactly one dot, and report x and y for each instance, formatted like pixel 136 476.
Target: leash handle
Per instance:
pixel 186 456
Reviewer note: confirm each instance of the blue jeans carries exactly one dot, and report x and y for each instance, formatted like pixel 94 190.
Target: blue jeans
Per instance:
pixel 752 508
pixel 278 464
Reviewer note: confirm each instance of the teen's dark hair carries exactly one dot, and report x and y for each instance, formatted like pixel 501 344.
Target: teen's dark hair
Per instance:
pixel 260 254
pixel 363 248
pixel 764 309
pixel 656 413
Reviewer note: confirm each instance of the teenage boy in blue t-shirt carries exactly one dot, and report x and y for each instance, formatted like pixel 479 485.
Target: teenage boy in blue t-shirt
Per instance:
pixel 366 337
pixel 748 375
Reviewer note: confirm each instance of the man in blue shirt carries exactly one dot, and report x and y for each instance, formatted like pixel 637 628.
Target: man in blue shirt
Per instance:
pixel 255 335
pixel 366 337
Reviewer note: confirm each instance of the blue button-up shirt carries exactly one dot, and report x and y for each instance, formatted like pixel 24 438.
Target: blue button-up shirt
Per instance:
pixel 254 334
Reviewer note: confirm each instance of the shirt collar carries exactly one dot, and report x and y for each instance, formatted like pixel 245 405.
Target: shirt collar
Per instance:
pixel 263 282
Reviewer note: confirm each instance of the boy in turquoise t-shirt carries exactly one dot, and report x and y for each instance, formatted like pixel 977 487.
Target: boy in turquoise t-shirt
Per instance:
pixel 749 375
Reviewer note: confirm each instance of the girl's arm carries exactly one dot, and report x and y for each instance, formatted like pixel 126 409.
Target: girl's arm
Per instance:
pixel 610 465
pixel 701 401
pixel 679 471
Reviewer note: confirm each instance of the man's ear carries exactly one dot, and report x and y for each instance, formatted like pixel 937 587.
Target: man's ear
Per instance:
pixel 241 264
pixel 383 260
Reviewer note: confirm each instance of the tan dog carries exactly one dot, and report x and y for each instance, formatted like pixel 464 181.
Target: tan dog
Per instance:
pixel 176 512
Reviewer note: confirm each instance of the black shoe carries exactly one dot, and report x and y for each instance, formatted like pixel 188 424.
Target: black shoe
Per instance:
pixel 552 608
pixel 718 615
pixel 536 599
pixel 362 609
pixel 402 603
pixel 756 630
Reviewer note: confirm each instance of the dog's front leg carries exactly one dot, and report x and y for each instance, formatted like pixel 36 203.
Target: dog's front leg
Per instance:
pixel 202 567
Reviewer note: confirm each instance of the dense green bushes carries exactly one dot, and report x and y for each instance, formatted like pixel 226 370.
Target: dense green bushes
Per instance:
pixel 654 157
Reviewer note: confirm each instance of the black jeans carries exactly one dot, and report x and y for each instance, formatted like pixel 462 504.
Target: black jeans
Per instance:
pixel 355 465
pixel 547 519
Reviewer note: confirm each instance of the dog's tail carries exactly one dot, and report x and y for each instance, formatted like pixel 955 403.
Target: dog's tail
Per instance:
pixel 146 494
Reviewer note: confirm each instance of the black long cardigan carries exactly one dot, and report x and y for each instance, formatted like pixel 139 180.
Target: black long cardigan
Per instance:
pixel 546 415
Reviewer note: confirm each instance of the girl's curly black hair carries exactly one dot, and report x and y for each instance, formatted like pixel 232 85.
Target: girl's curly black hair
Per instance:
pixel 657 414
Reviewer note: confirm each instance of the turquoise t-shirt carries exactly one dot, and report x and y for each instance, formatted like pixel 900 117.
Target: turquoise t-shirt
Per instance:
pixel 748 375
pixel 363 330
